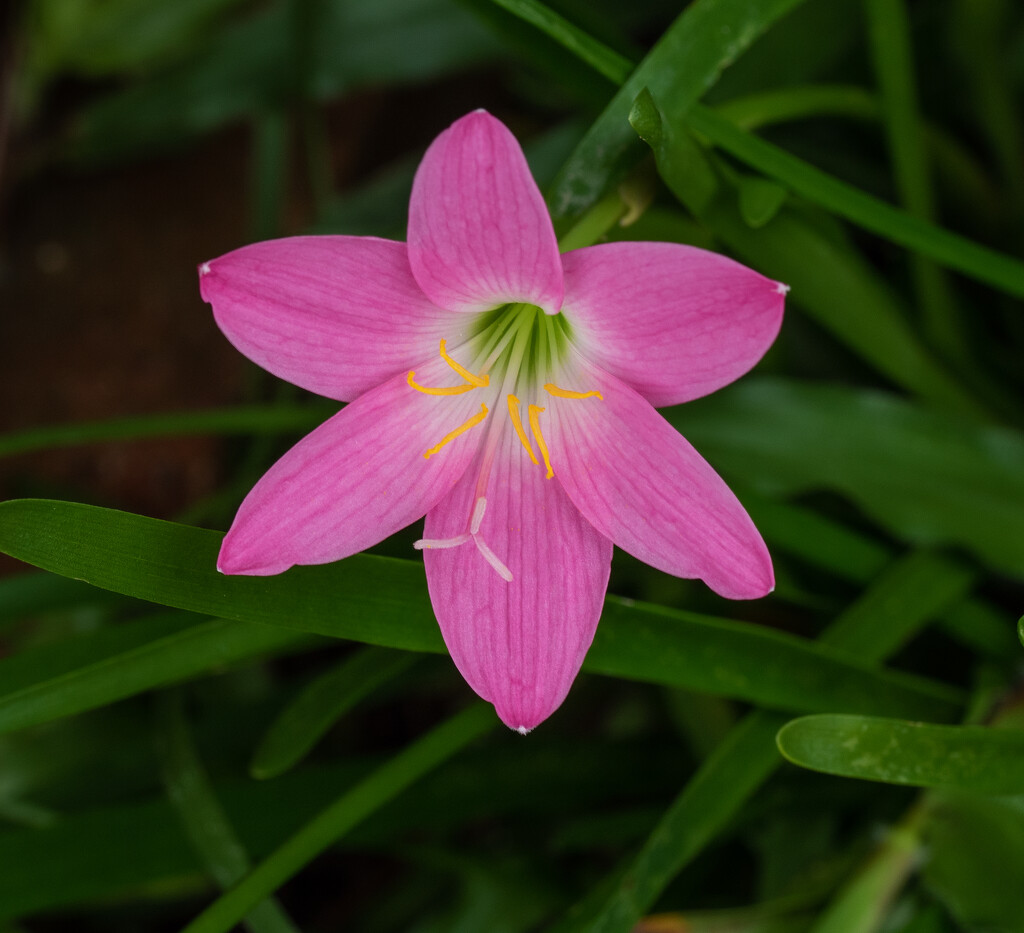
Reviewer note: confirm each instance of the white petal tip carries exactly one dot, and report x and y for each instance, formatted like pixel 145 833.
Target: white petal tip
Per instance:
pixel 781 289
pixel 204 269
pixel 522 730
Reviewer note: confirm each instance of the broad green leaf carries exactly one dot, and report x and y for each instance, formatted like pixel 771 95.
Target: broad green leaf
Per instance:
pixel 301 724
pixel 355 805
pixel 109 665
pixel 706 37
pixel 830 280
pixel 929 479
pixel 253 65
pixel 88 37
pixel 974 758
pixel 384 601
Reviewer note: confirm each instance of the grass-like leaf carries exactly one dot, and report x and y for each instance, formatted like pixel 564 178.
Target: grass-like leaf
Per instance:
pixel 927 478
pixel 706 37
pixel 352 807
pixel 973 758
pixel 384 602
pixel 747 758
pixel 304 721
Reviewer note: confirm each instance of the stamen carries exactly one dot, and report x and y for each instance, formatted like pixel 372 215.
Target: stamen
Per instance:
pixel 475 381
pixel 535 411
pixel 461 429
pixel 493 560
pixel 426 544
pixel 478 515
pixel 568 393
pixel 444 390
pixel 517 423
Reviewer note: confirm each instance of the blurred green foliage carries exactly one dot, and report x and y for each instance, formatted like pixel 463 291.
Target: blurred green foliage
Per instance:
pixel 271 730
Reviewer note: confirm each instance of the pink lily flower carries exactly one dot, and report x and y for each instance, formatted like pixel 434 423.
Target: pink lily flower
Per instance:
pixel 507 393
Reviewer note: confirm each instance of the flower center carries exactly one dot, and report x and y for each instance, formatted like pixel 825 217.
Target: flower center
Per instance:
pixel 522 346
pixel 520 342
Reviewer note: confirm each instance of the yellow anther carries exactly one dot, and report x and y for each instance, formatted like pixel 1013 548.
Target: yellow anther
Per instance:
pixel 568 393
pixel 477 382
pixel 535 411
pixel 517 423
pixel 430 390
pixel 461 429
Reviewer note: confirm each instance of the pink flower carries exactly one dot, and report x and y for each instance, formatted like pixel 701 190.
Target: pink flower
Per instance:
pixel 507 393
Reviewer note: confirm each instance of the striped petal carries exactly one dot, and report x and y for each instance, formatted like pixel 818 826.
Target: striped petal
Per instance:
pixel 674 322
pixel 638 481
pixel 336 315
pixel 356 479
pixel 519 643
pixel 479 233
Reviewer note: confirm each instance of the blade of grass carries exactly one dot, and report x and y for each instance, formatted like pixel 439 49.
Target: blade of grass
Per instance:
pixel 949 249
pixel 164 659
pixel 676 73
pixel 384 601
pixel 981 759
pixel 303 722
pixel 685 62
pixel 742 763
pixel 255 419
pixel 889 37
pixel 206 824
pixel 352 807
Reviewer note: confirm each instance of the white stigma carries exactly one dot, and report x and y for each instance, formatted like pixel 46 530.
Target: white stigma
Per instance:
pixel 478 515
pixel 474 532
pixel 781 289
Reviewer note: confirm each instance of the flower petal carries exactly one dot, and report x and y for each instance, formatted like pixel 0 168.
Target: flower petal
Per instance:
pixel 356 479
pixel 674 322
pixel 518 643
pixel 336 315
pixel 638 481
pixel 479 233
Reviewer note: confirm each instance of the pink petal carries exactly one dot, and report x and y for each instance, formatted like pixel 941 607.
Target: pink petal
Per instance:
pixel 674 322
pixel 356 479
pixel 518 643
pixel 336 315
pixel 479 232
pixel 639 482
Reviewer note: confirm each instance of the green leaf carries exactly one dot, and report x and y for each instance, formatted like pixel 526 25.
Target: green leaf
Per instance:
pixel 759 200
pixel 954 251
pixel 706 37
pixel 254 419
pixel 830 280
pixel 729 777
pixel 304 721
pixel 928 478
pixel 103 667
pixel 975 852
pixel 253 65
pixel 915 587
pixel 207 826
pixel 974 758
pixel 351 808
pixel 384 601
